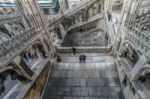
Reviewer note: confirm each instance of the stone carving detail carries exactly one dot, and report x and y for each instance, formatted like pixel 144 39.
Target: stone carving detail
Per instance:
pixel 135 31
pixel 10 17
pixel 16 44
pixel 25 27
pixel 89 11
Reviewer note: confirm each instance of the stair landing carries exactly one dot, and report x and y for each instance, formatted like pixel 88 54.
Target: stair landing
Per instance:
pixel 95 79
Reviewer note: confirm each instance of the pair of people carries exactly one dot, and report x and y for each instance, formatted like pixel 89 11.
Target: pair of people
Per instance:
pixel 82 58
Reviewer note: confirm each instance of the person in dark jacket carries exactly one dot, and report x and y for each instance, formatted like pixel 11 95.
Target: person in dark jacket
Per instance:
pixel 74 51
pixel 83 58
pixel 58 59
pixel 109 17
pixel 80 58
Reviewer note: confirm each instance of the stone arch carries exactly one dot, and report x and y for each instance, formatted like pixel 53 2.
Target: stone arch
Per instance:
pixel 14 74
pixel 16 71
pixel 143 74
pixel 40 48
pixel 128 42
pixel 89 12
pixel 129 51
pixel 58 31
pixel 147 73
pixel 34 51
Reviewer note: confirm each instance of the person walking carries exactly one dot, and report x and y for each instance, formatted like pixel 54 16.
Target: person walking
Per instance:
pixel 58 59
pixel 83 58
pixel 80 58
pixel 74 51
pixel 109 17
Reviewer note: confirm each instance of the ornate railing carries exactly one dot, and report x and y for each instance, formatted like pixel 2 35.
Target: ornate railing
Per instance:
pixel 7 17
pixel 79 7
pixel 13 46
pixel 10 16
pixel 138 38
pixel 71 11
pixel 93 18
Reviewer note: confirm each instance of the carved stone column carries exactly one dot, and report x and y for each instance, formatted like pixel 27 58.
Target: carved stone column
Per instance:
pixel 44 47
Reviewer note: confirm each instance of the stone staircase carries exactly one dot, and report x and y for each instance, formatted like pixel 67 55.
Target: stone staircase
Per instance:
pixel 95 79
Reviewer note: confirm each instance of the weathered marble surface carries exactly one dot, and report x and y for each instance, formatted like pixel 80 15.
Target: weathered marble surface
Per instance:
pixel 95 79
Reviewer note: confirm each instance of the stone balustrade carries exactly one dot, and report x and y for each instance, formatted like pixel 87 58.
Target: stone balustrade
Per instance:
pixel 141 41
pixel 10 17
pixel 78 24
pixel 138 38
pixel 16 44
pixel 102 49
pixel 71 11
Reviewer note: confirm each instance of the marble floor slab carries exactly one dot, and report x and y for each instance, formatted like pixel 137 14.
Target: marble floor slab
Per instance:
pixel 95 79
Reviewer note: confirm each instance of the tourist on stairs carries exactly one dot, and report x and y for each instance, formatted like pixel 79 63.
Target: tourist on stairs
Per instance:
pixel 84 58
pixel 80 58
pixel 74 51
